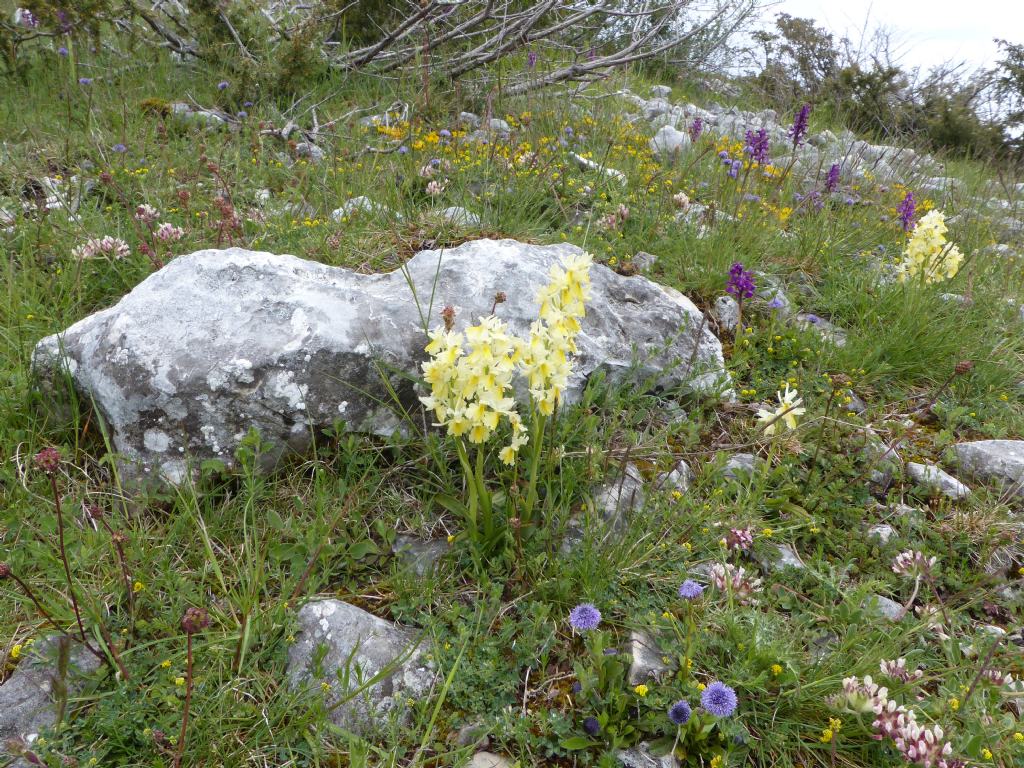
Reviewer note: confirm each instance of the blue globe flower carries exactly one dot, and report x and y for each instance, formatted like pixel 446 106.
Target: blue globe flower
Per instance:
pixel 719 699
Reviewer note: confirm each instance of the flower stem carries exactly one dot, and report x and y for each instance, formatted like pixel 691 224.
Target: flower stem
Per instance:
pixel 188 702
pixel 64 554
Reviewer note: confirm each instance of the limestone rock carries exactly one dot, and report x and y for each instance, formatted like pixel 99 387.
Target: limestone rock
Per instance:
pixel 932 477
pixel 727 313
pixel 640 757
pixel 359 648
pixel 648 662
pixel 488 760
pixel 997 461
pixel 883 533
pixel 221 341
pixel 27 696
pixel 459 216
pixel 421 555
pixel 740 465
pixel 884 607
pixel 361 204
pixel 669 141
pixel 677 479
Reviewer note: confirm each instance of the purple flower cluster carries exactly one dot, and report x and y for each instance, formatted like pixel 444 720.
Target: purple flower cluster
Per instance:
pixel 832 179
pixel 758 146
pixel 584 617
pixel 741 282
pixel 591 726
pixel 696 129
pixel 906 210
pixel 719 699
pixel 690 590
pixel 798 130
pixel 531 59
pixel 679 713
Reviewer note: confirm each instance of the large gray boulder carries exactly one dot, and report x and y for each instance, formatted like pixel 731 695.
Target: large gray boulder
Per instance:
pixel 221 341
pixel 364 666
pixel 994 461
pixel 52 670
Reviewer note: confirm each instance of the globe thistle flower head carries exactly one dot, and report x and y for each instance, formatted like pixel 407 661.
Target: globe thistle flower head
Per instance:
pixel 718 699
pixel 119 148
pixel 690 590
pixel 223 85
pixel 591 726
pixel 584 617
pixel 679 713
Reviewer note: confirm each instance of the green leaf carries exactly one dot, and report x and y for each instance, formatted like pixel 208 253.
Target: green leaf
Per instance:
pixel 574 743
pixel 450 503
pixel 361 549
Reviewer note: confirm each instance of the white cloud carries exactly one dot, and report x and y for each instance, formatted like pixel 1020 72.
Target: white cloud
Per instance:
pixel 929 32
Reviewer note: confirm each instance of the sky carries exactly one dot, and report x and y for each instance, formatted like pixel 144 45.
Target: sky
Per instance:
pixel 931 32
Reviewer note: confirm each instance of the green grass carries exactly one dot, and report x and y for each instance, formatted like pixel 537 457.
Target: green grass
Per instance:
pixel 251 547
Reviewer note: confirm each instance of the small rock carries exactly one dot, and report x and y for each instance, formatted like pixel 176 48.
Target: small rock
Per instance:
pixel 669 141
pixel 419 554
pixel 999 461
pixel 358 647
pixel 740 464
pixel 643 261
pixel 309 151
pixel 823 327
pixel 640 757
pixel 822 645
pixel 786 557
pixel 499 125
pixel 468 118
pixel 883 533
pixel 727 313
pixel 648 660
pixel 677 479
pixel 473 735
pixel 361 204
pixel 27 696
pixel 488 760
pixel 587 164
pixel 661 91
pixel 934 478
pixel 884 607
pixel 459 216
pixel 620 496
pixel 856 405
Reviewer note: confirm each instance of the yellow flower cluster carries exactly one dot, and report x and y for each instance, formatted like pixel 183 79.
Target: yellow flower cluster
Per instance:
pixel 470 377
pixel 928 256
pixel 545 361
pixel 470 373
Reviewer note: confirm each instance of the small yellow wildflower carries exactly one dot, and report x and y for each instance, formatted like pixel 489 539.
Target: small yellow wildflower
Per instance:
pixel 826 735
pixel 986 753
pixel 165 663
pixel 179 681
pixel 138 586
pixel 666 615
pixel 701 686
pixel 641 690
pixel 1018 737
pixel 16 651
pixel 776 670
pixel 716 761
pixel 325 686
pixel 767 532
pixel 954 703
